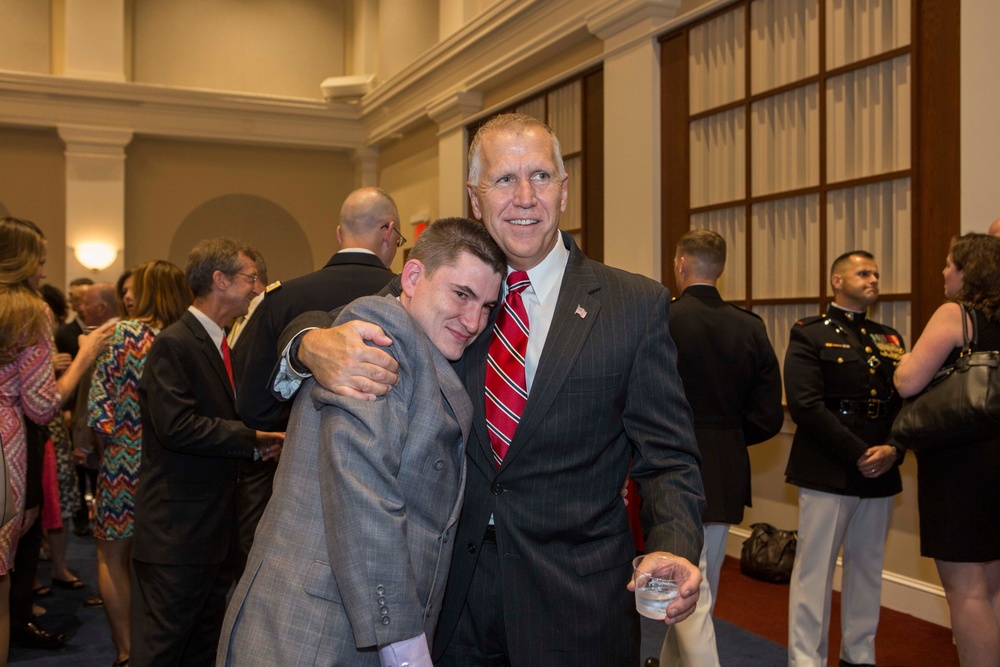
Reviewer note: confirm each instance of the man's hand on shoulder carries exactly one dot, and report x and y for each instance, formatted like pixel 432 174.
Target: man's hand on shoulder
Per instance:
pixel 341 361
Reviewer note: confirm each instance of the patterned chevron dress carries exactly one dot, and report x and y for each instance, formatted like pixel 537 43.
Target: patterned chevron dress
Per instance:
pixel 114 411
pixel 27 387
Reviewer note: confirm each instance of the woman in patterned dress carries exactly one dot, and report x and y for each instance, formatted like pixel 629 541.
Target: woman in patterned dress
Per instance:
pixel 161 297
pixel 27 380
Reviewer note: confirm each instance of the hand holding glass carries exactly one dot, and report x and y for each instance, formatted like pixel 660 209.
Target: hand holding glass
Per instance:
pixel 655 584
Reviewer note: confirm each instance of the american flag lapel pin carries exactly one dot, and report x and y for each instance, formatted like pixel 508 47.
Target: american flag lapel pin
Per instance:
pixel 581 312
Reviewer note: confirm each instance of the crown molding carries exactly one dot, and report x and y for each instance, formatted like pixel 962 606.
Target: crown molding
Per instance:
pixel 182 113
pixel 478 57
pixel 453 109
pixel 615 18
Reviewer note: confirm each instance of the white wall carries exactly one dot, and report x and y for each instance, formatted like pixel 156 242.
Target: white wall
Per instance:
pixel 980 121
pixel 280 48
pixel 25 36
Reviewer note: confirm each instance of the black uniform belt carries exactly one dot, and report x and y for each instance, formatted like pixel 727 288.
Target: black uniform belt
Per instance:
pixel 872 408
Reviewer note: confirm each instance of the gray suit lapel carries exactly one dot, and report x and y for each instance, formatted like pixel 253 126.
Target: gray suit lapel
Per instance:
pixel 456 396
pixel 567 335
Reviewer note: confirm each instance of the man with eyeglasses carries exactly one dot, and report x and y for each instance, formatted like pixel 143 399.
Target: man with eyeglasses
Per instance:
pixel 369 236
pixel 184 549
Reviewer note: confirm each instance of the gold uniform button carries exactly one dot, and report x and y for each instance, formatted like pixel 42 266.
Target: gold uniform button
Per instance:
pixel 874 393
pixel 840 360
pixel 868 349
pixel 864 332
pixel 872 371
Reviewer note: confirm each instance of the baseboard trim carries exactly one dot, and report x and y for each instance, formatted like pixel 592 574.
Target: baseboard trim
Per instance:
pixel 899 593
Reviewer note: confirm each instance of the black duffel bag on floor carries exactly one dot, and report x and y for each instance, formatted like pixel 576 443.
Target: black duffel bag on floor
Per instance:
pixel 769 553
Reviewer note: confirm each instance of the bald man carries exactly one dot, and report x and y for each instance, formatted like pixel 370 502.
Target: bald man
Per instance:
pixel 994 228
pixel 369 236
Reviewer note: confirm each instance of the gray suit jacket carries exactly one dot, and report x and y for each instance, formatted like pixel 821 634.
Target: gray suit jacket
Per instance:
pixel 354 548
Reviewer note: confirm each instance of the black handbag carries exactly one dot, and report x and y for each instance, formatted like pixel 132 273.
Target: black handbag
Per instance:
pixel 769 553
pixel 960 405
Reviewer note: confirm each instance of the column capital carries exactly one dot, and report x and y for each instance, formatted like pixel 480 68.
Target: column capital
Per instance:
pixel 450 111
pixel 622 17
pixel 94 140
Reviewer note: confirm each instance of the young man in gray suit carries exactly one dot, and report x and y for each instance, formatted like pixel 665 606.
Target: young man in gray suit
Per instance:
pixel 350 559
pixel 545 548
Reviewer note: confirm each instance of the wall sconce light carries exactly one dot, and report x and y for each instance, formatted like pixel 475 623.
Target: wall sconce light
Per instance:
pixel 95 256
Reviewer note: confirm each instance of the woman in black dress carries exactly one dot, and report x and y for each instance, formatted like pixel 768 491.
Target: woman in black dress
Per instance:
pixel 958 488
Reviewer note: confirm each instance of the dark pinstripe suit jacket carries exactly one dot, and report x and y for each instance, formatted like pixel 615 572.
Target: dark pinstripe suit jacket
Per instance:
pixel 606 391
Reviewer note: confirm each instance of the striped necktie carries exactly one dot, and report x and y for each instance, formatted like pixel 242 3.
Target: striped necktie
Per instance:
pixel 506 388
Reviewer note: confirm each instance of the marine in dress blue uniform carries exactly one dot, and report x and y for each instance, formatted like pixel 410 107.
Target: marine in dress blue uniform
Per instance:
pixel 838 384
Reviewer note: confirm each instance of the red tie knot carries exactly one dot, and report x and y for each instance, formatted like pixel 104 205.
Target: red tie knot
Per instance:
pixel 517 281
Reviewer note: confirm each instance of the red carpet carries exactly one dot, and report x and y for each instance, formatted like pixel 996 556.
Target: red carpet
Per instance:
pixel 762 608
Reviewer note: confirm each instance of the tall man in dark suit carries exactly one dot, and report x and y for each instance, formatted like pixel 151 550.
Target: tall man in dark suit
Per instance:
pixel 544 547
pixel 732 381
pixel 368 235
pixel 838 382
pixel 184 548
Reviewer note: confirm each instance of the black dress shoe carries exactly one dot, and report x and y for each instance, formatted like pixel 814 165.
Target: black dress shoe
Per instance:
pixel 844 663
pixel 652 662
pixel 30 635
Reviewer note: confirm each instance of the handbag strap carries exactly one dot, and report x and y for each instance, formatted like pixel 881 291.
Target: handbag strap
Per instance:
pixel 967 343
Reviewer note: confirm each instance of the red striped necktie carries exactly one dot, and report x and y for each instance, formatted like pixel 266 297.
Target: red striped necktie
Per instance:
pixel 228 361
pixel 506 388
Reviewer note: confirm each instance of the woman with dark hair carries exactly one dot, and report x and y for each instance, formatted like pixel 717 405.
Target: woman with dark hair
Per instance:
pixel 161 296
pixel 958 488
pixel 27 381
pixel 124 295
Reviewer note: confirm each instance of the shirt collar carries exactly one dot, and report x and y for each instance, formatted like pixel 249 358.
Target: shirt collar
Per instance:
pixel 844 315
pixel 364 250
pixel 215 332
pixel 547 274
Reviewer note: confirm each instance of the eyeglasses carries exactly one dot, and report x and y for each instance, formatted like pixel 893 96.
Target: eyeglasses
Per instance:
pixel 252 277
pixel 401 241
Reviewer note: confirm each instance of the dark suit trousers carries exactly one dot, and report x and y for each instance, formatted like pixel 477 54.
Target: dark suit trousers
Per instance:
pixel 480 638
pixel 177 612
pixel 253 490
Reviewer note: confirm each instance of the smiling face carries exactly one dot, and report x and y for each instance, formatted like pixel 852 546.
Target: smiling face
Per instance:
pixel 452 304
pixel 242 288
pixel 954 278
pixel 520 194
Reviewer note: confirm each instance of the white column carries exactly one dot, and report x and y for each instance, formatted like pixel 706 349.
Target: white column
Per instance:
pixel 365 161
pixel 632 131
pixel 363 37
pixel 451 113
pixel 95 195
pixel 94 40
